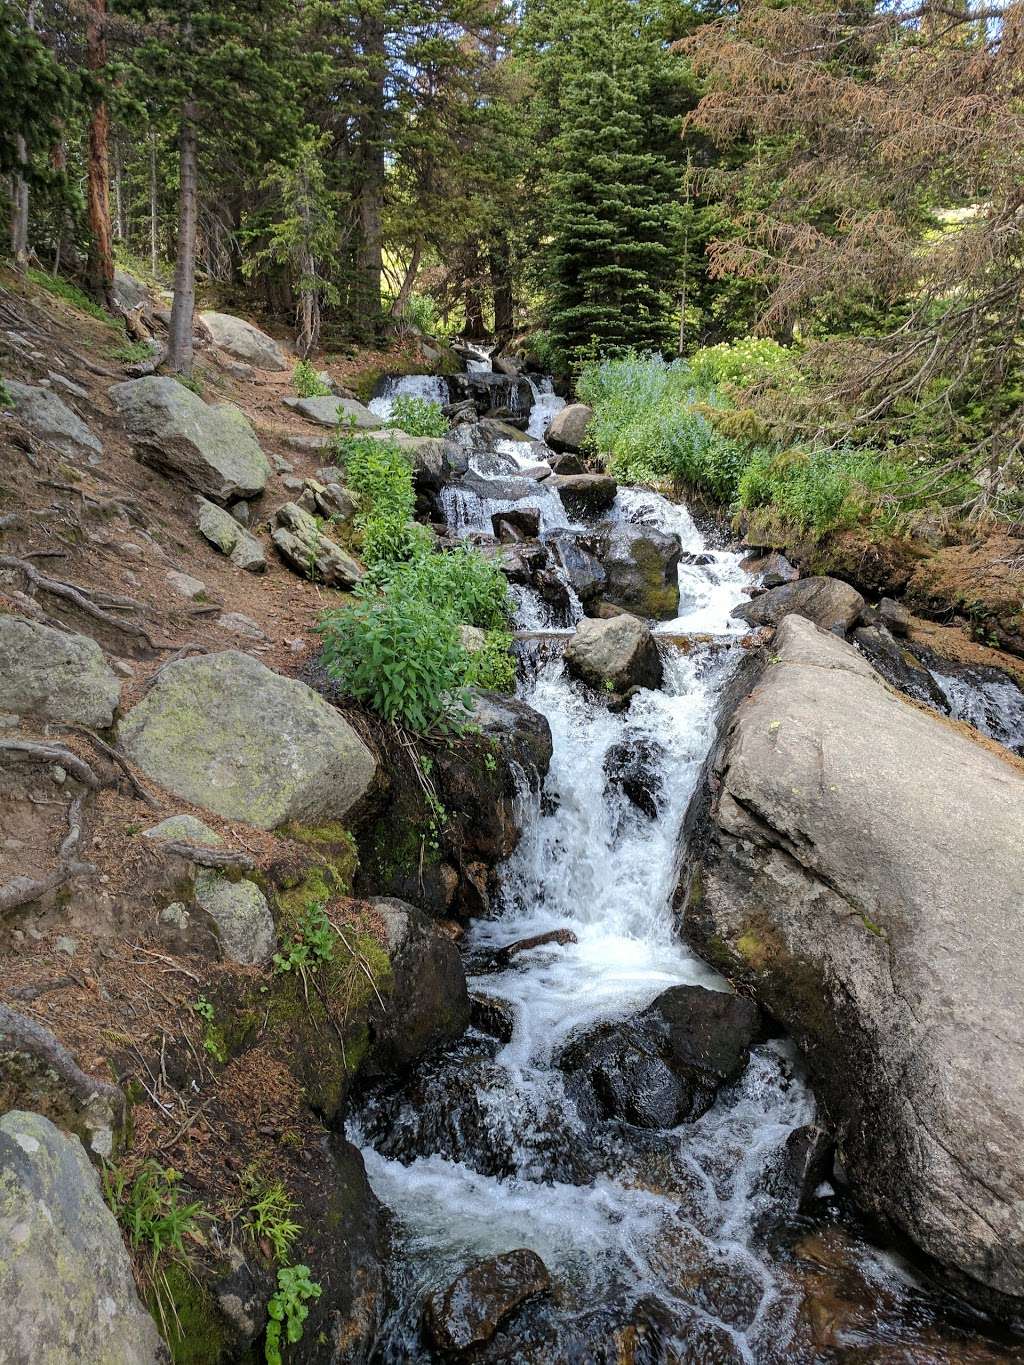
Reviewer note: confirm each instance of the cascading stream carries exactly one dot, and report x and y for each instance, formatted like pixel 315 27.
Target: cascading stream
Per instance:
pixel 493 1156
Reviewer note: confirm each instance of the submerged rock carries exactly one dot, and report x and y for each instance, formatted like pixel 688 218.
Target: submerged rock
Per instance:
pixel 857 862
pixel 225 732
pixel 474 1305
pixel 66 1287
pixel 614 655
pixel 632 767
pixel 828 602
pixel 642 568
pixel 54 675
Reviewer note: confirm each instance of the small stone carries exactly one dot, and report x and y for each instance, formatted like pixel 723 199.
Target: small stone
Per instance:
pixel 241 917
pixel 242 512
pixel 186 586
pixel 183 829
pixel 176 915
pixel 67 945
pixel 223 532
pixel 238 624
pixel 59 774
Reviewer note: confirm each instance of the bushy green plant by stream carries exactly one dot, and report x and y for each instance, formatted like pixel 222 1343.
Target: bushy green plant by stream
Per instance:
pixel 418 416
pixel 397 649
pixel 679 424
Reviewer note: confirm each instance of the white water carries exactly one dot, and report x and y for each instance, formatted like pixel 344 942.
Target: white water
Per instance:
pixel 430 386
pixel 545 404
pixel 591 863
pixel 994 707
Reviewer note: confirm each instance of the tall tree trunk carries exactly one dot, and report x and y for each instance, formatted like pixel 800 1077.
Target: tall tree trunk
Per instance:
pixel 501 288
pixel 401 300
pixel 473 328
pixel 179 345
pixel 370 204
pixel 154 240
pixel 101 252
pixel 19 210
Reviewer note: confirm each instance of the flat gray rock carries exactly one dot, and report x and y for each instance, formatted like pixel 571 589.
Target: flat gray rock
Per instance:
pixel 241 917
pixel 225 732
pixel 305 548
pixel 245 341
pixel 54 675
pixel 828 602
pixel 66 1286
pixel 857 863
pixel 330 411
pixel 50 418
pixel 232 539
pixel 212 447
pixel 614 655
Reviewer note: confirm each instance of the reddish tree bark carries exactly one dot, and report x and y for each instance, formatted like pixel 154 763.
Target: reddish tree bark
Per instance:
pixel 101 254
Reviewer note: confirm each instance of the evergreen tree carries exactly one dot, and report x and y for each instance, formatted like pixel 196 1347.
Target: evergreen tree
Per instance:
pixel 613 190
pixel 228 71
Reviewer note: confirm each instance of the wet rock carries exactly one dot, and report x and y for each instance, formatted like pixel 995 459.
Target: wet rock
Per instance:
pixel 470 1310
pixel 581 569
pixel 50 418
pixel 828 602
pixel 642 568
pixel 614 655
pixel 568 463
pixel 492 1015
pixel 245 342
pixel 241 917
pixel 212 447
pixel 304 547
pixel 894 617
pixel 899 665
pixel 53 675
pixel 585 495
pixel 567 430
pixel 39 1074
pixel 508 488
pixel 664 1066
pixel 224 732
pixel 225 534
pixel 789 1184
pixel 773 569
pixel 66 1287
pixel 561 937
pixel 521 523
pixel 428 1005
pixel 332 412
pixel 632 766
pixel 494 396
pixel 519 562
pixel 830 868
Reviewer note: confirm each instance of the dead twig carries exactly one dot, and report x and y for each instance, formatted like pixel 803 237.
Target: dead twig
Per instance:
pixel 117 757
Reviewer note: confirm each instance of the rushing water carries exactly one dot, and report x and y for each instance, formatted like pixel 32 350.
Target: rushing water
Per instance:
pixel 488 1152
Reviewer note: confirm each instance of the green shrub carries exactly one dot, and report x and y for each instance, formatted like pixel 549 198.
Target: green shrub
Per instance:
pixel 268 1214
pixel 418 416
pixel 379 473
pixel 387 540
pixel 6 401
pixel 460 583
pixel 131 352
pixel 493 667
pixel 821 490
pixel 287 1309
pixel 70 293
pixel 307 383
pixel 742 363
pixel 400 656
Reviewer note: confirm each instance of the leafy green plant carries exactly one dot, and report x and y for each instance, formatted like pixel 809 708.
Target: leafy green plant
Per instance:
pixel 267 1217
pixel 311 944
pixel 460 583
pixel 379 474
pixel 401 657
pixel 287 1309
pixel 307 383
pixel 742 363
pixel 493 667
pixel 418 416
pixel 6 400
pixel 191 382
pixel 131 352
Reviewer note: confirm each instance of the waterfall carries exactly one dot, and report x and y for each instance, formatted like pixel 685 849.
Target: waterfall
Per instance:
pixel 430 386
pixel 545 404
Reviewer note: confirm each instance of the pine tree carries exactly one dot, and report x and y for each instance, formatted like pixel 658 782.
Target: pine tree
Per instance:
pixel 228 71
pixel 613 188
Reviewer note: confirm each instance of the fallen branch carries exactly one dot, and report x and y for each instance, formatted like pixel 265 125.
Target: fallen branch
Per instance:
pixel 205 856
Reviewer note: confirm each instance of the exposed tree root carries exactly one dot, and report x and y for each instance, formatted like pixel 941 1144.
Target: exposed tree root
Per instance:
pixel 40 751
pixel 21 890
pixel 117 757
pixel 83 598
pixel 208 857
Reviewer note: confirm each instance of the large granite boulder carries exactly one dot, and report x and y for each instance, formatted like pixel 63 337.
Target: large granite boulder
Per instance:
pixel 828 602
pixel 245 342
pixel 567 430
pixel 857 862
pixel 614 655
pixel 585 495
pixel 225 732
pixel 50 418
pixel 642 569
pixel 212 447
pixel 53 675
pixel 66 1287
pixel 330 411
